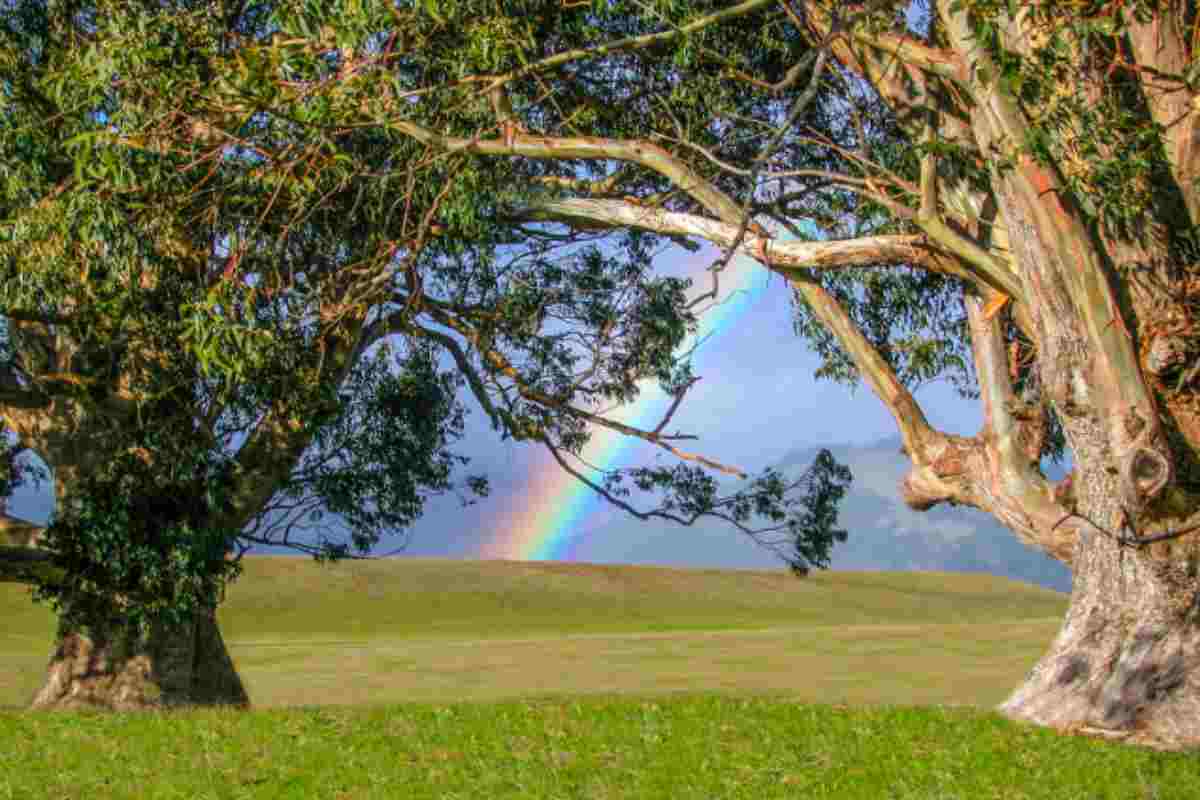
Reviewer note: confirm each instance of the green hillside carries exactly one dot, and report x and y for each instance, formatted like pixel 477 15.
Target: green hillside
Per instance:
pixel 416 629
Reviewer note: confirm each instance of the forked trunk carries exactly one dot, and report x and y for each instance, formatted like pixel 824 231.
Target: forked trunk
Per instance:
pixel 113 667
pixel 1126 664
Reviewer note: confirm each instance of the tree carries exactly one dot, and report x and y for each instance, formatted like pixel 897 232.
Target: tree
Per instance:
pixel 232 301
pixel 1006 198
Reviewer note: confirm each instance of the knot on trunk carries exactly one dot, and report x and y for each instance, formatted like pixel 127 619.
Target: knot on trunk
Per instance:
pixel 1144 473
pixel 920 490
pixel 1167 354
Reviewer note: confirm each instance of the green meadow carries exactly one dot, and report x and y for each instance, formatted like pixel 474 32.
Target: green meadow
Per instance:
pixel 458 679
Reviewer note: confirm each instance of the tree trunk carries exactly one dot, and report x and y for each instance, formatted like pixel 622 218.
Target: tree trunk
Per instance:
pixel 113 667
pixel 1126 664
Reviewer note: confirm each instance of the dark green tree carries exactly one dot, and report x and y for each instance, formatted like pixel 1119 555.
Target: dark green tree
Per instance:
pixel 1003 195
pixel 240 287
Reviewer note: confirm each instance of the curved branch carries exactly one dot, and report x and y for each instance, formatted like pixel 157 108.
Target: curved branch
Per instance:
pixel 914 427
pixel 647 154
pixel 942 464
pixel 465 367
pixel 781 256
pixel 1012 436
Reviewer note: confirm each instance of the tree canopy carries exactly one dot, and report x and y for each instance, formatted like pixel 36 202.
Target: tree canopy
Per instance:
pixel 243 287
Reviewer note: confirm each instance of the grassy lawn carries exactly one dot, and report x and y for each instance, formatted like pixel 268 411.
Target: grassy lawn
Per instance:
pixel 422 678
pixel 442 631
pixel 596 748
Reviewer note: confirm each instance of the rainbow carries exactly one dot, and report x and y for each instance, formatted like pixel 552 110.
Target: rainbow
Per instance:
pixel 548 520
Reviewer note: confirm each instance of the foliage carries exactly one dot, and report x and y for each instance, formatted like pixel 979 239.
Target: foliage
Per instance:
pixel 138 543
pixel 381 455
pixel 213 214
pixel 803 512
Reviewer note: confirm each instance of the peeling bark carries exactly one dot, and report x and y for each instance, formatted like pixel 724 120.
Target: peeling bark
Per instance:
pixel 1126 663
pixel 113 667
pixel 1160 43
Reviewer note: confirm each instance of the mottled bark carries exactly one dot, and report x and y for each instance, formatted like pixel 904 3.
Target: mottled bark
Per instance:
pixel 1126 664
pixel 112 666
pixel 1127 661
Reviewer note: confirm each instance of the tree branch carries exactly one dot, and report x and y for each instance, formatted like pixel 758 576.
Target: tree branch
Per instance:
pixel 1012 436
pixel 943 63
pixel 647 154
pixel 910 419
pixel 995 270
pixel 781 256
pixel 897 66
pixel 465 366
pixel 276 444
pixel 502 365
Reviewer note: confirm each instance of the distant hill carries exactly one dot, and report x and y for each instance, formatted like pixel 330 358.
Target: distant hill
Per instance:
pixel 295 598
pixel 884 533
pixel 403 630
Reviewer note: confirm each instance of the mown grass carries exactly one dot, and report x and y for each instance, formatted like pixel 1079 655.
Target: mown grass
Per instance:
pixel 420 678
pixel 437 631
pixel 593 749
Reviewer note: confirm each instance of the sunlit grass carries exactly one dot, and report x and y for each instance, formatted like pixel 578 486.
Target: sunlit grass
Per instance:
pixel 400 630
pixel 422 678
pixel 605 747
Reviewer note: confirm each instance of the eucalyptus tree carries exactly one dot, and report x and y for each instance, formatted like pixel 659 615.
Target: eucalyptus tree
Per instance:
pixel 1004 196
pixel 232 300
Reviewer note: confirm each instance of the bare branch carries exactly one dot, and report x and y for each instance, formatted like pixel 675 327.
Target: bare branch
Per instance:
pixel 602 187
pixel 778 255
pixel 942 63
pixel 463 362
pixel 914 427
pixel 675 405
pixel 647 154
pixel 1013 435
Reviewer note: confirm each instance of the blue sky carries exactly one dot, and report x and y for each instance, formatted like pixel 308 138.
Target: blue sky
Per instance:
pixel 757 402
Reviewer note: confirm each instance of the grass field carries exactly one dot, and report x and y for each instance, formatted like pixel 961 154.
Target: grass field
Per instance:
pixel 423 678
